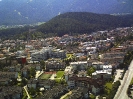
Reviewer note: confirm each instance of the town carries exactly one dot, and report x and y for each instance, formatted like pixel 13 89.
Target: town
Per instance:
pixel 87 66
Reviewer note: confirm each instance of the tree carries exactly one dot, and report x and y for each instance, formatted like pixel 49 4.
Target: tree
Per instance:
pixel 23 82
pixel 42 63
pixel 91 70
pixel 32 72
pixel 32 91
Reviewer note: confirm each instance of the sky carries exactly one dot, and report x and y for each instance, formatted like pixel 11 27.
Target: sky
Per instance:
pixel 44 10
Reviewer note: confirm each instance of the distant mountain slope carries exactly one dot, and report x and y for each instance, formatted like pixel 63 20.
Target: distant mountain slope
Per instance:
pixel 14 12
pixel 84 22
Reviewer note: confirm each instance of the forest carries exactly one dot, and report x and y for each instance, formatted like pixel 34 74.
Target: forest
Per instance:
pixel 73 23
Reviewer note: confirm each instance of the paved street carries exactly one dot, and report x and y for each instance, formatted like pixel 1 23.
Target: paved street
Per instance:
pixel 25 88
pixel 122 91
pixel 118 75
pixel 38 73
pixel 52 77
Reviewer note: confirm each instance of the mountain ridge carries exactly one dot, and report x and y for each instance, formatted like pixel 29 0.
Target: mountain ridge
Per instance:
pixel 84 22
pixel 15 12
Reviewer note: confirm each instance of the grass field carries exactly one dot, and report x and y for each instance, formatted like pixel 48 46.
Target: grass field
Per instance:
pixel 59 74
pixel 45 76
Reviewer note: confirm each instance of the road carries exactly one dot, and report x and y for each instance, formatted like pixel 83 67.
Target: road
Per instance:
pixel 64 96
pixel 39 73
pixel 122 91
pixel 25 88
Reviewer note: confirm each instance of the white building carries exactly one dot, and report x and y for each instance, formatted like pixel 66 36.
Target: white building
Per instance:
pixel 41 55
pixel 48 52
pixel 105 72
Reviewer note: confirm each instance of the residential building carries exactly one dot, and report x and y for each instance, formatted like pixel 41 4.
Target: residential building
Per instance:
pixel 48 52
pixel 11 92
pixel 32 83
pixel 79 93
pixel 55 64
pixel 10 75
pixel 93 85
pixel 80 65
pixel 46 84
pixel 103 72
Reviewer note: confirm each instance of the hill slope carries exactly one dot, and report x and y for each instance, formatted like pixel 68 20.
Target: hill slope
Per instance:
pixel 84 22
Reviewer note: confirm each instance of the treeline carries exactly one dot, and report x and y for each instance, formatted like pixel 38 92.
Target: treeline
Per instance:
pixel 114 90
pixel 11 32
pixel 84 22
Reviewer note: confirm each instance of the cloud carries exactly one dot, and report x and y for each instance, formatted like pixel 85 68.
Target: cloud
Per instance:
pixel 19 13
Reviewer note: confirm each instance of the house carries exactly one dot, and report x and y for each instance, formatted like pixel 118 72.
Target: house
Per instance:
pixel 32 83
pixel 24 71
pixel 38 67
pixel 113 58
pixel 11 75
pixel 79 93
pixel 4 81
pixel 97 65
pixel 47 84
pixel 82 73
pixel 13 68
pixel 57 53
pixel 54 93
pixel 93 85
pixel 11 92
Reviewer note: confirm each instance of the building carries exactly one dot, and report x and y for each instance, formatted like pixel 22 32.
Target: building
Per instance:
pixel 55 64
pixel 10 75
pixel 80 65
pixel 46 84
pixel 93 85
pixel 103 72
pixel 11 92
pixel 46 53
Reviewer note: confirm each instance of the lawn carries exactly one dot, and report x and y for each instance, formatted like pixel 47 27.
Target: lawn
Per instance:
pixel 45 76
pixel 59 74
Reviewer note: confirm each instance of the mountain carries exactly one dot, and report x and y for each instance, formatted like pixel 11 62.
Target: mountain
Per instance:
pixel 15 12
pixel 70 23
pixel 84 22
